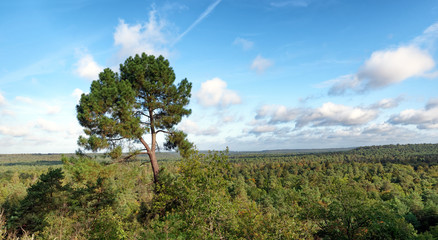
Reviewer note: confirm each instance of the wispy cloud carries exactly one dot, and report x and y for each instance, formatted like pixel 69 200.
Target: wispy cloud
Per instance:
pixel 388 103
pixel 244 43
pixel 14 131
pixel 260 64
pixel 200 18
pixel 2 99
pixel 24 99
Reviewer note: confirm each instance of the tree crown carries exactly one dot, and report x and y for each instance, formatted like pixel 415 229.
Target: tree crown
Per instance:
pixel 143 98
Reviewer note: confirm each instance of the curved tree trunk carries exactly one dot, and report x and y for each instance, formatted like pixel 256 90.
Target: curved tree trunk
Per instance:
pixel 152 157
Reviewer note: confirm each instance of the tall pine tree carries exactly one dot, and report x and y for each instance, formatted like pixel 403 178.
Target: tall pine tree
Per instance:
pixel 121 109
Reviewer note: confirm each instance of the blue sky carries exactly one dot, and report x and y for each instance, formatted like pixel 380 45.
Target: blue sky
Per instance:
pixel 268 74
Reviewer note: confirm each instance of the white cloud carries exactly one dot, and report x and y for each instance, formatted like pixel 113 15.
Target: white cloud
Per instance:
pixel 330 114
pixel 46 125
pixel 2 100
pixel 244 43
pixel 433 103
pixel 77 93
pixel 393 66
pixel 214 92
pixel 387 103
pixel 24 99
pixel 74 129
pixel 260 64
pixel 277 113
pixel 7 112
pixel 423 118
pixel 191 127
pixel 228 119
pixel 53 110
pixel 384 68
pixel 381 128
pixel 428 38
pixel 150 37
pixel 14 131
pixel 263 129
pixel 88 68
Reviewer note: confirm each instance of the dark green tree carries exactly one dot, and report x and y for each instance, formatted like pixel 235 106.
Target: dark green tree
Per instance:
pixel 42 197
pixel 143 99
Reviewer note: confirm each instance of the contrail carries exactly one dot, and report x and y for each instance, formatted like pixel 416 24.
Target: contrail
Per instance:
pixel 200 18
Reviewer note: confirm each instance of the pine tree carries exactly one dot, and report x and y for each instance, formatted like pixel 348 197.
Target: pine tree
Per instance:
pixel 143 99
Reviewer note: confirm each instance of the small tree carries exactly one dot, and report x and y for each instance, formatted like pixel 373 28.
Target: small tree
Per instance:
pixel 143 99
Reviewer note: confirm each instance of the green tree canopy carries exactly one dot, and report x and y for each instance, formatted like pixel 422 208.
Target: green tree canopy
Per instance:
pixel 122 108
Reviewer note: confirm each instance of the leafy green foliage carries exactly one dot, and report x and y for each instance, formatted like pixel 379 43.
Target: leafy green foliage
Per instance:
pixel 219 195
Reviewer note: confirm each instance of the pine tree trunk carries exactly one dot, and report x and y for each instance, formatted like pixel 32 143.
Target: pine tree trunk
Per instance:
pixel 154 165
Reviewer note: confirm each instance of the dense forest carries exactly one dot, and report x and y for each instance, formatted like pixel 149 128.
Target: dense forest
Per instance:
pixel 378 192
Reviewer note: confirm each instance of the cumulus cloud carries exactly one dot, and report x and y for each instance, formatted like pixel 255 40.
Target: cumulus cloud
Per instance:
pixel 150 37
pixel 392 66
pixel 214 92
pixel 330 114
pixel 88 68
pixel 277 113
pixel 191 127
pixel 384 68
pixel 260 64
pixel 244 43
pixel 426 118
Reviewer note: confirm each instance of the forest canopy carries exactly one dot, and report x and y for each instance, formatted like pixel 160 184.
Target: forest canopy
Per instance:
pixel 378 192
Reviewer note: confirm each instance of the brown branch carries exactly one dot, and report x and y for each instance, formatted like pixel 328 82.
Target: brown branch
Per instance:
pixel 142 113
pixel 129 157
pixel 148 149
pixel 164 131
